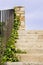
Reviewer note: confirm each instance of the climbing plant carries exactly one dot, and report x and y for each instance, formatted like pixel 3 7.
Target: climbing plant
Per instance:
pixel 10 51
pixel 1 46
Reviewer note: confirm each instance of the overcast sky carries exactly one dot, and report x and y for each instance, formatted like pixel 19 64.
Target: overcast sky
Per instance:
pixel 33 11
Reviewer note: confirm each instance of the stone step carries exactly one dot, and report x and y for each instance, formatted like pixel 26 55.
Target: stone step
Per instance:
pixel 29 44
pixel 38 58
pixel 30 38
pixel 37 50
pixel 23 63
pixel 31 50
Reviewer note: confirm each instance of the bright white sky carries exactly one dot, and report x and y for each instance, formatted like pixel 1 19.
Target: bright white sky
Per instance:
pixel 33 11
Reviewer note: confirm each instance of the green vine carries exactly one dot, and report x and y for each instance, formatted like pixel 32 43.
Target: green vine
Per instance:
pixel 1 46
pixel 10 52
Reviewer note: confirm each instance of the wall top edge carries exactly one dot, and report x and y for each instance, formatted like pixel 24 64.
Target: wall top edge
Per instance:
pixel 7 9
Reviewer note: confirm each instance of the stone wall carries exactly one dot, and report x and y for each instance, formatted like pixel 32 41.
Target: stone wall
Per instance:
pixel 31 41
pixel 28 39
pixel 20 12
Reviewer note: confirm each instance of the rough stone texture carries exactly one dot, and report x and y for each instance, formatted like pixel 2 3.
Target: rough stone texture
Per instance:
pixel 20 12
pixel 30 41
pixel 23 63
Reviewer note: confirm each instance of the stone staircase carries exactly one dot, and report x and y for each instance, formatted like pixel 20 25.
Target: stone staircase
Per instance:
pixel 32 43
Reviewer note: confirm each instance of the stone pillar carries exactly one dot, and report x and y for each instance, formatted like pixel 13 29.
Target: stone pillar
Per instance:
pixel 21 14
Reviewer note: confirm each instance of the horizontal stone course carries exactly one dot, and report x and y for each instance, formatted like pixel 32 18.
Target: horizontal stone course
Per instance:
pixel 23 63
pixel 38 58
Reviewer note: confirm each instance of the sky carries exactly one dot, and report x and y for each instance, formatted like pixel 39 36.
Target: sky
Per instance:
pixel 33 12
